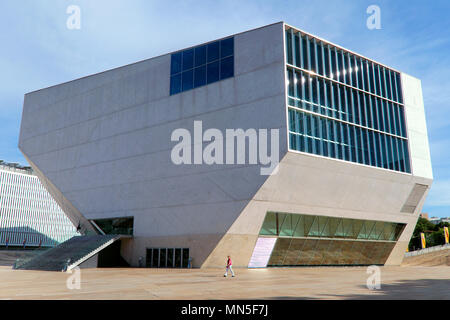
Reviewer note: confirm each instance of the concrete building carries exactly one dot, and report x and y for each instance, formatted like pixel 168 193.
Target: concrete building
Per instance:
pixel 29 217
pixel 354 162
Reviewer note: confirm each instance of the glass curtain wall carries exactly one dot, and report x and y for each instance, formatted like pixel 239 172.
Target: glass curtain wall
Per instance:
pixel 321 240
pixel 344 106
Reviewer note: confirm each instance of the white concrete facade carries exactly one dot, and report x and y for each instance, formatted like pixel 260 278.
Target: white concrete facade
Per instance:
pixel 102 144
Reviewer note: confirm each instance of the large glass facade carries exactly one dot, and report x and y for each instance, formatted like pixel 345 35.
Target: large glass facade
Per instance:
pixel 321 240
pixel 201 65
pixel 344 106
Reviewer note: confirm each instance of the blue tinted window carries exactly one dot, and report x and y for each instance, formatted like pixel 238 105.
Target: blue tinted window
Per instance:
pixel 188 80
pixel 175 64
pixel 202 65
pixel 212 72
pixel 200 56
pixel 227 67
pixel 175 84
pixel 199 76
pixel 213 51
pixel 226 47
pixel 188 59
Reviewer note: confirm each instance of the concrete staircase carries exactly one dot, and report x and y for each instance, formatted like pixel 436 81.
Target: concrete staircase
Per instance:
pixel 67 255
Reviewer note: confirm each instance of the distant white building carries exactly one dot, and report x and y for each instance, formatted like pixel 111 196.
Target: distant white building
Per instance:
pixel 28 214
pixel 437 220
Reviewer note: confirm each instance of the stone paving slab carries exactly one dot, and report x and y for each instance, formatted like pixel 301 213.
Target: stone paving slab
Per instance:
pixel 275 283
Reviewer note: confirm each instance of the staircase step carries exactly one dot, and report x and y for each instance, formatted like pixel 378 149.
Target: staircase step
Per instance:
pixel 75 249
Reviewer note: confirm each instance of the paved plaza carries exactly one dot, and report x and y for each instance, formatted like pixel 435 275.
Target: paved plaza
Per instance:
pixel 277 283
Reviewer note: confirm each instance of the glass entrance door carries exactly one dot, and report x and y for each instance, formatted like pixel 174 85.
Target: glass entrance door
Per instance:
pixel 167 258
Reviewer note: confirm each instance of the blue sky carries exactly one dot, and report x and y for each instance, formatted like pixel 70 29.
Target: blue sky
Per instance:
pixel 38 50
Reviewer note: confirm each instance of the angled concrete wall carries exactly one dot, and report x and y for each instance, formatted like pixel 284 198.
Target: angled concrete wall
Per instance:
pixel 104 143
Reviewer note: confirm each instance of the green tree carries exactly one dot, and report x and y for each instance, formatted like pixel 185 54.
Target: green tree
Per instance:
pixel 434 234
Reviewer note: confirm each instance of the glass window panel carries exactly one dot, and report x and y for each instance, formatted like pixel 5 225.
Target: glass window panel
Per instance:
pixel 307 252
pixel 387 124
pixel 347 226
pixel 365 138
pixel 279 251
pixel 388 84
pixel 319 49
pixel 377 230
pixel 269 226
pixel 406 156
pixel 300 227
pixel 212 71
pixel 294 252
pixel 213 51
pixel 344 257
pixel 305 52
pixel 340 67
pixel 175 63
pixel 297 58
pixel 388 231
pixel 188 80
pixel 380 115
pixel 200 56
pixel 343 105
pixel 312 54
pixel 346 69
pixel 347 100
pixel 333 74
pixel 286 229
pixel 361 71
pixel 188 59
pixel 175 84
pixel 395 153
pixel 185 258
pixel 402 121
pixel 371 77
pixel 356 107
pixel 383 82
pixel 354 71
pixel 345 142
pixel 353 144
pixel 333 253
pixel 314 231
pixel 372 150
pixel 320 252
pixel 199 76
pixel 227 47
pixel 326 57
pixel 170 261
pixel 162 258
pixel 314 91
pixel 398 230
pixel 399 88
pixel 289 46
pixel 377 79
pixel 389 153
pixel 386 252
pixel 155 258
pixel 357 255
pixel 393 87
pixel 363 112
pixel 368 253
pixel 227 68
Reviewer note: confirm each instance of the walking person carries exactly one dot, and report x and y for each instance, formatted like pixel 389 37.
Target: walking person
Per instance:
pixel 229 267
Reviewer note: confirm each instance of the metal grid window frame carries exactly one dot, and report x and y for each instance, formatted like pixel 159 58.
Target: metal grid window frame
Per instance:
pixel 365 108
pixel 201 65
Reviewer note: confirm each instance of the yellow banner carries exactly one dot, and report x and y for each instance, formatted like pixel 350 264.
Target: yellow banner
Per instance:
pixel 446 235
pixel 424 243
